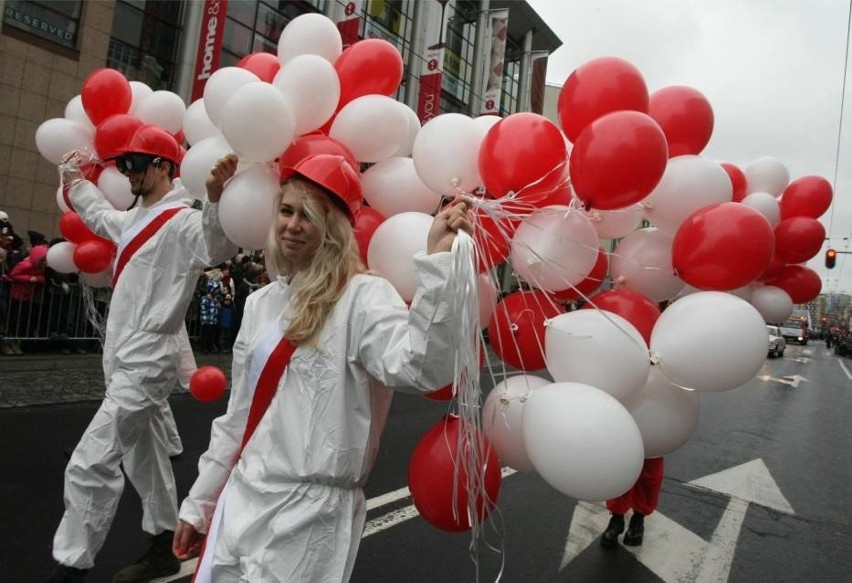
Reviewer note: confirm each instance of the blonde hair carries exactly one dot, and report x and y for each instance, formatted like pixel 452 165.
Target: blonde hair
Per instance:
pixel 336 261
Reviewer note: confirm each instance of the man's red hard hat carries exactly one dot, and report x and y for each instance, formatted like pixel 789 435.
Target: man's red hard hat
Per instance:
pixel 154 141
pixel 335 175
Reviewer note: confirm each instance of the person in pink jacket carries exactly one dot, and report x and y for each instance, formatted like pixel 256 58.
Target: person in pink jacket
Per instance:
pixel 27 281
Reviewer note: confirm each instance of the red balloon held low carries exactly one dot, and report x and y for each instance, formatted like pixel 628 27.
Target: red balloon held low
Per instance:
pixel 434 468
pixel 208 384
pixel 74 229
pixel 599 87
pixel 94 255
pixel 722 247
pixel 618 160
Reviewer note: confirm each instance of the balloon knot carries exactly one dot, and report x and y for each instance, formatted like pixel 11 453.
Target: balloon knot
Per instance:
pixel 654 357
pixel 620 279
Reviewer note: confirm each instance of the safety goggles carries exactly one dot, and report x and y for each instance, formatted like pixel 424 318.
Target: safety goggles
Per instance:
pixel 130 163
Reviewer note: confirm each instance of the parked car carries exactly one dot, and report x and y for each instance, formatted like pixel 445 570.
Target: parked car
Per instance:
pixel 843 344
pixel 777 344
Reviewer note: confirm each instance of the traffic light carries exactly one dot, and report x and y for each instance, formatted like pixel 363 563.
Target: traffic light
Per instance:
pixel 830 258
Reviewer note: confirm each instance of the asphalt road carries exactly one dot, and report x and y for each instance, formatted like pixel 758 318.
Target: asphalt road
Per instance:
pixel 772 500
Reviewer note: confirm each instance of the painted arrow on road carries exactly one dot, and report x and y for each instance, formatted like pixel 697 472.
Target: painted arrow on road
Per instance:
pixel 801 359
pixel 792 380
pixel 673 552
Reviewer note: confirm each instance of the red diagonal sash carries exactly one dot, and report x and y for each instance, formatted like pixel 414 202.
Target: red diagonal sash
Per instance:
pixel 267 384
pixel 141 238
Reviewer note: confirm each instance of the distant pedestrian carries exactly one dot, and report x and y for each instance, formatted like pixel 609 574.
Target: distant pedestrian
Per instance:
pixel 208 313
pixel 227 317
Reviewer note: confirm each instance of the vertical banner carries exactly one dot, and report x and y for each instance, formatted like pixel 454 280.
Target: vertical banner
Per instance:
pixel 495 40
pixel 432 68
pixel 209 44
pixel 347 17
pixel 538 81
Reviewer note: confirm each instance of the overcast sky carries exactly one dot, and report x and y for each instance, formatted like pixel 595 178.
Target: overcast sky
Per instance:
pixel 773 71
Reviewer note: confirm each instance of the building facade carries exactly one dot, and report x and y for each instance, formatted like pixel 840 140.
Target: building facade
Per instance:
pixel 468 56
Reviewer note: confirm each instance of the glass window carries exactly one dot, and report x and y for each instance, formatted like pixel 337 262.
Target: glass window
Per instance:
pixel 459 49
pixel 243 11
pixel 145 39
pixel 56 21
pixel 252 27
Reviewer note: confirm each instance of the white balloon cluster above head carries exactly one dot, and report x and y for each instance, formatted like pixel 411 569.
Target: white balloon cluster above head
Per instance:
pixel 247 207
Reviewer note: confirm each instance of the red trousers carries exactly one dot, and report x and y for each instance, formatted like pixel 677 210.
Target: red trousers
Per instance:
pixel 644 494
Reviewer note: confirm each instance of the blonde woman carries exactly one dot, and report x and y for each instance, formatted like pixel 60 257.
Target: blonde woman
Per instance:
pixel 279 493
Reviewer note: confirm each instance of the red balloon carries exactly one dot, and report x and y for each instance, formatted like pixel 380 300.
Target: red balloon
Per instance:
pixel 366 222
pixel 74 229
pixel 722 247
pixel 685 116
pixel 516 329
pixel 105 92
pixel 738 181
pixel 808 196
pixel 775 269
pixel 618 160
pixel 524 154
pixel 798 239
pixel 311 144
pixel 366 67
pixel 208 384
pixel 801 283
pixel 264 65
pixel 94 255
pixel 634 307
pixel 114 133
pixel 597 88
pixel 492 238
pixel 432 474
pixel 589 285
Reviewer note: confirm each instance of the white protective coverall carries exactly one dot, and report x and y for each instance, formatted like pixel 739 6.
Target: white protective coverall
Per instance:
pixel 293 508
pixel 146 352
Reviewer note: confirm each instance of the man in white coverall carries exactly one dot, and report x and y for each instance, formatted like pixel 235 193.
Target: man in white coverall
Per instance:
pixel 162 245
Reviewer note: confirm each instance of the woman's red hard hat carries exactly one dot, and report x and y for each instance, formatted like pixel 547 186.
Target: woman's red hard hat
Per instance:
pixel 335 175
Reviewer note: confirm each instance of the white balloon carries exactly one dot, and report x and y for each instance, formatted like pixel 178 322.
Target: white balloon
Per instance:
pixel 485 123
pixel 643 262
pixel 247 206
pixel 666 415
pixel 311 86
pixel 163 109
pixel 393 246
pixel 198 161
pixel 582 441
pixel 502 419
pixel 446 153
pixel 617 223
pixel 773 303
pixel 765 204
pixel 767 174
pixel 197 125
pixel 487 296
pixel 258 122
pixel 221 86
pixel 60 201
pixel 554 248
pixel 688 184
pixel 680 341
pixel 598 348
pixel 75 112
pixel 309 34
pixel 407 144
pixel 60 257
pixel 56 137
pixel 392 187
pixel 139 91
pixel 116 188
pixel 372 126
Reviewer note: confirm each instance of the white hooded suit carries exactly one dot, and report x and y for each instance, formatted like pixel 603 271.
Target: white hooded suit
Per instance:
pixel 146 351
pixel 293 507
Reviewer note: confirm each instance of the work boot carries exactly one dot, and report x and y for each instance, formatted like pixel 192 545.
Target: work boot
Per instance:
pixel 635 531
pixel 63 574
pixel 158 561
pixel 610 535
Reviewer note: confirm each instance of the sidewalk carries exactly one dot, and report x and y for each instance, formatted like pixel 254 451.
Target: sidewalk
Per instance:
pixel 50 378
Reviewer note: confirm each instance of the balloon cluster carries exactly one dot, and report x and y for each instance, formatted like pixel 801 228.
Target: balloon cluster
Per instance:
pixel 726 247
